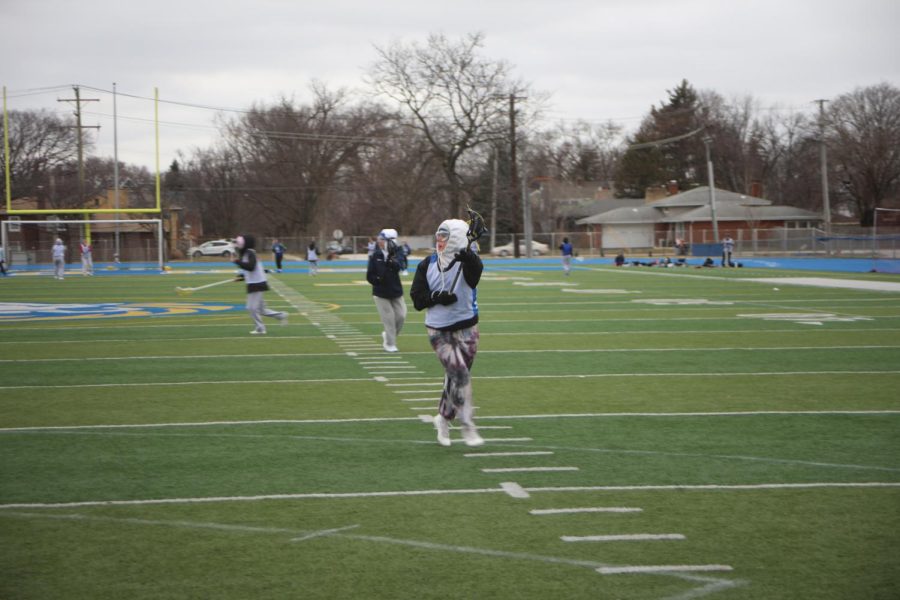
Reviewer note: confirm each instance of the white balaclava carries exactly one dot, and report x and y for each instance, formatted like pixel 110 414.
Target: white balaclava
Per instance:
pixel 387 234
pixel 456 230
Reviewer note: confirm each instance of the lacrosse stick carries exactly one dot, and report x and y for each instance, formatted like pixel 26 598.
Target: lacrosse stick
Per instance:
pixel 187 291
pixel 477 228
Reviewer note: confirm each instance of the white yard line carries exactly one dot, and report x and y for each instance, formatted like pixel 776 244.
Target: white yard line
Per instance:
pixel 661 569
pixel 589 509
pixel 483 418
pixel 536 351
pixel 585 376
pixel 441 492
pixel 527 469
pixel 630 537
pixel 494 454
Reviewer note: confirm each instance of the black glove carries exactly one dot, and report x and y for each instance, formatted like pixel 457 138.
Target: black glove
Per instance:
pixel 465 256
pixel 443 298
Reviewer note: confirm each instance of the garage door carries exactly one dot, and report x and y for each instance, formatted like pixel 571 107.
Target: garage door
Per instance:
pixel 627 236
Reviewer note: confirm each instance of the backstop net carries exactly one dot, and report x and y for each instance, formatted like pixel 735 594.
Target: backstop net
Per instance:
pixel 115 243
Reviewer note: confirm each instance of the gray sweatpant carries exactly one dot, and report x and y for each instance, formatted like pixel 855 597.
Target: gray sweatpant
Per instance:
pixel 393 315
pixel 256 306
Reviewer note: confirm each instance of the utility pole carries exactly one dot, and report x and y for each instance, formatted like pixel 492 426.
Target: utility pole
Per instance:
pixel 116 171
pixel 514 175
pixel 494 198
pixel 823 162
pixel 78 100
pixel 712 190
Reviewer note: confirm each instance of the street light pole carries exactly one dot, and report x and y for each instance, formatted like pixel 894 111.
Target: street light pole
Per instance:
pixel 823 167
pixel 712 191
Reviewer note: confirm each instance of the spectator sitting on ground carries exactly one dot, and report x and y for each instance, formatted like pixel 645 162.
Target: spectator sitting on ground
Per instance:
pixel 620 259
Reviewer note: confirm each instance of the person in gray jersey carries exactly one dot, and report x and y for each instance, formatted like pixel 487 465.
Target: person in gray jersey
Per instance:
pixel 255 277
pixel 59 259
pixel 445 286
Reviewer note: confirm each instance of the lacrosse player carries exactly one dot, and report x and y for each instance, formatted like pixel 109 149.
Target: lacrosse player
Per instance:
pixel 59 259
pixel 566 249
pixel 444 285
pixel 383 273
pixel 255 276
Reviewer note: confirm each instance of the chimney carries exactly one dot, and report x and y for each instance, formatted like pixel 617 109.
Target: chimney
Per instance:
pixel 756 189
pixel 672 187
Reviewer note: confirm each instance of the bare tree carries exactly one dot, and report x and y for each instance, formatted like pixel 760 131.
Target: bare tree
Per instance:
pixel 295 159
pixel 40 143
pixel 578 152
pixel 786 159
pixel 394 181
pixel 864 145
pixel 213 188
pixel 458 100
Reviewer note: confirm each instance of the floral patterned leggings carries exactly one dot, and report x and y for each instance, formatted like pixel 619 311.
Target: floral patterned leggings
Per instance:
pixel 456 351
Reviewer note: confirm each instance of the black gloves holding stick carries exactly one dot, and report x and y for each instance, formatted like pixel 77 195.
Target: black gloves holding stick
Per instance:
pixel 445 298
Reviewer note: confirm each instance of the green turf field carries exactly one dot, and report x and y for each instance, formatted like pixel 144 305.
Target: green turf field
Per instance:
pixel 665 434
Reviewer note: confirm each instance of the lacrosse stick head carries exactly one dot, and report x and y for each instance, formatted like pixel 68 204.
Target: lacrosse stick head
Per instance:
pixel 477 228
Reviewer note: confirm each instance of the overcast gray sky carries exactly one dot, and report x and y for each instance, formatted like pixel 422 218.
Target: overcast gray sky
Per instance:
pixel 600 59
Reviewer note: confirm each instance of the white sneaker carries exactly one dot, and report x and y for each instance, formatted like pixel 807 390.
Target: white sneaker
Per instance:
pixel 387 347
pixel 258 332
pixel 470 436
pixel 443 430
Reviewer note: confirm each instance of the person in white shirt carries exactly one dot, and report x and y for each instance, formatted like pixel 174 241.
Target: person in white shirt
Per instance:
pixel 312 256
pixel 727 251
pixel 87 260
pixel 59 259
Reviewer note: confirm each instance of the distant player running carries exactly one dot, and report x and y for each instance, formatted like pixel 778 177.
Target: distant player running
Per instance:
pixel 255 276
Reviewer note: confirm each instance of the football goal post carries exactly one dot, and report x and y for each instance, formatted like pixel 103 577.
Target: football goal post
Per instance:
pixel 29 244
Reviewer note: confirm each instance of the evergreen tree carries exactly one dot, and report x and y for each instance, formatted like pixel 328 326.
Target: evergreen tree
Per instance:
pixel 680 160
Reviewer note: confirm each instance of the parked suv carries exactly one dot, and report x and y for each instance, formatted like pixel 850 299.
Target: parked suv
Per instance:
pixel 537 249
pixel 224 248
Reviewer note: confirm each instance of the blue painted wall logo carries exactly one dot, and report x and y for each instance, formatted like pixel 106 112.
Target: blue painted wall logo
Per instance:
pixel 29 311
